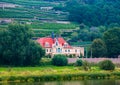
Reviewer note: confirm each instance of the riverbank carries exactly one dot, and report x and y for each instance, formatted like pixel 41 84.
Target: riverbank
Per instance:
pixel 52 73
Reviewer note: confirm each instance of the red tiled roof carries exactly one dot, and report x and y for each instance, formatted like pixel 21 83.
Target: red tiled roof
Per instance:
pixel 51 41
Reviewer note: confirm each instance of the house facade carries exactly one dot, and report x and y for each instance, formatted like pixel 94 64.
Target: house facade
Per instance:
pixel 58 45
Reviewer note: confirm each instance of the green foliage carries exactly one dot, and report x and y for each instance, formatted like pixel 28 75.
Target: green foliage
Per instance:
pixel 45 61
pixel 86 65
pixel 98 48
pixel 85 33
pixel 79 62
pixel 112 41
pixel 34 53
pixel 52 73
pixel 59 60
pixel 94 12
pixel 106 65
pixel 16 47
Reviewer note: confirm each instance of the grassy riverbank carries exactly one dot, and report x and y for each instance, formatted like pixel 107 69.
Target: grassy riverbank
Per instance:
pixel 51 73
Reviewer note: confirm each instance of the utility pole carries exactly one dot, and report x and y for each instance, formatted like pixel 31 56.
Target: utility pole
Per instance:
pixel 91 52
pixel 86 52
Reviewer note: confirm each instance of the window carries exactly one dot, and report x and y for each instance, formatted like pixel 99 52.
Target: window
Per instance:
pixel 47 44
pixel 50 50
pixel 68 50
pixel 56 43
pixel 58 50
pixel 65 44
pixel 75 50
pixel 65 50
pixel 46 50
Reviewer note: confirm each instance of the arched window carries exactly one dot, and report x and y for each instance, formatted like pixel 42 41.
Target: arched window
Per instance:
pixel 58 50
pixel 56 42
pixel 46 50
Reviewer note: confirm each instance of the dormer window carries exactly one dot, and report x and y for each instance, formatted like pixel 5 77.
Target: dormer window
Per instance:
pixel 65 44
pixel 47 44
pixel 56 42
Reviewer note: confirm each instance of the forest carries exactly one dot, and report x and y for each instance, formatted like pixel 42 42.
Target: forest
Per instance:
pixel 94 21
pixel 93 12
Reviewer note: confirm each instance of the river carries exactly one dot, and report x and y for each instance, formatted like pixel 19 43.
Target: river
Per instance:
pixel 85 82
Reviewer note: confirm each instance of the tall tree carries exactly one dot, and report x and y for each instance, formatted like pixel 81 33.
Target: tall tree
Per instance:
pixel 14 44
pixel 112 41
pixel 98 48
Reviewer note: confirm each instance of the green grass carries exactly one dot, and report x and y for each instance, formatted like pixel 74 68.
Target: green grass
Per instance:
pixel 45 29
pixel 51 73
pixel 34 68
pixel 3 26
pixel 53 26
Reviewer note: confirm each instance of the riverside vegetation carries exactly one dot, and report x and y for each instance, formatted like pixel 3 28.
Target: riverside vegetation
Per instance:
pixel 48 72
pixel 16 43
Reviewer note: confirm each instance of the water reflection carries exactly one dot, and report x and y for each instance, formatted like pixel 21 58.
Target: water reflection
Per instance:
pixel 86 82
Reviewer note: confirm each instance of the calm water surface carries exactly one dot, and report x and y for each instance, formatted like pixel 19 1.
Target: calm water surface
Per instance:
pixel 86 82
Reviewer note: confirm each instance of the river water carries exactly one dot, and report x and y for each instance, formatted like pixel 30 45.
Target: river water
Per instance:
pixel 85 82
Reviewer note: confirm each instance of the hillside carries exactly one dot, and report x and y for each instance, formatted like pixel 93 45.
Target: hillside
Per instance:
pixel 75 20
pixel 39 15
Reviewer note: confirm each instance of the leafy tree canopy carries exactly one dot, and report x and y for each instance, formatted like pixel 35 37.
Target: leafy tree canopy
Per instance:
pixel 17 48
pixel 112 41
pixel 94 12
pixel 98 48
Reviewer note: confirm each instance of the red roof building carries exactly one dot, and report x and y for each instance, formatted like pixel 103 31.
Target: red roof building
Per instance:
pixel 58 45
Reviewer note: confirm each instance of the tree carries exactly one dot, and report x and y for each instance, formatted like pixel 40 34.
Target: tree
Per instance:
pixel 15 44
pixel 94 12
pixel 106 65
pixel 34 53
pixel 59 60
pixel 98 48
pixel 112 41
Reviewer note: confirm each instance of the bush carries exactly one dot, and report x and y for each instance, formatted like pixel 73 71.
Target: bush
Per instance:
pixel 59 60
pixel 106 65
pixel 45 61
pixel 71 64
pixel 86 66
pixel 79 62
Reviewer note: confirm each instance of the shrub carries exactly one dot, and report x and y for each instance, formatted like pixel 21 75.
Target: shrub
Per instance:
pixel 86 66
pixel 79 62
pixel 59 60
pixel 106 65
pixel 71 64
pixel 47 56
pixel 45 61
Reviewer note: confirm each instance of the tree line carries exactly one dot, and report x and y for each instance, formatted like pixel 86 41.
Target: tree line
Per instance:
pixel 17 48
pixel 108 45
pixel 93 12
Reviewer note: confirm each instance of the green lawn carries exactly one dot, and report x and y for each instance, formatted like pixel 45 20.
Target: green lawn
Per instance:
pixel 35 68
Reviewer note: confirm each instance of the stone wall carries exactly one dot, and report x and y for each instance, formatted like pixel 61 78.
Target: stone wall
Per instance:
pixel 95 60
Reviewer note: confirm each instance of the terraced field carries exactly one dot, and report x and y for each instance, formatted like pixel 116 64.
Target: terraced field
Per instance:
pixel 42 21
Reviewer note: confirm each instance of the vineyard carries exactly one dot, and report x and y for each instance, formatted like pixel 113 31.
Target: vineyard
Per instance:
pixel 42 21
